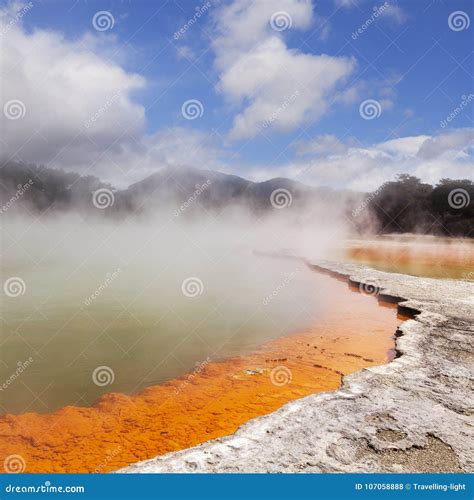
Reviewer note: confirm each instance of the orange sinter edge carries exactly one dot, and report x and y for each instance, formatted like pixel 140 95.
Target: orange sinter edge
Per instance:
pixel 212 401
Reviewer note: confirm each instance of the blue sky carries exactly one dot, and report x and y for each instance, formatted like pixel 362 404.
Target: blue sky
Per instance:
pixel 274 102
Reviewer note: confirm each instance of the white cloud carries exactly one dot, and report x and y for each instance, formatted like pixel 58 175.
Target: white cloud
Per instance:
pixel 185 52
pixel 322 145
pixel 76 101
pixel 403 147
pixel 395 13
pixel 451 143
pixel 244 24
pixel 388 9
pixel 259 73
pixel 449 154
pixel 346 3
pixel 324 30
pixel 382 90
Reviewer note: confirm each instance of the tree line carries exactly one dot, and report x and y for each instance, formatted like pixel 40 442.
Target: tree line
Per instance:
pixel 408 205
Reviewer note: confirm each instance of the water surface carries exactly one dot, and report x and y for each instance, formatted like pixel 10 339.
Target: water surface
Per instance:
pixel 145 298
pixel 417 255
pixel 354 331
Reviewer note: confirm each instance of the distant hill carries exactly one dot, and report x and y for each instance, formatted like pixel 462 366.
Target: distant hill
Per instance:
pixel 167 189
pixel 216 190
pixel 405 205
pixel 34 188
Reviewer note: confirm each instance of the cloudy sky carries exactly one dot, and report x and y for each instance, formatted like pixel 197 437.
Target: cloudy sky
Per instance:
pixel 341 93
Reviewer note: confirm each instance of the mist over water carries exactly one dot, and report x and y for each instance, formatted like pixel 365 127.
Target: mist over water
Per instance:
pixel 147 298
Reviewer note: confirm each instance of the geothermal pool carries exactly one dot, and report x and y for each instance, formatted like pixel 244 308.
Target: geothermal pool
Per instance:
pixel 116 360
pixel 214 398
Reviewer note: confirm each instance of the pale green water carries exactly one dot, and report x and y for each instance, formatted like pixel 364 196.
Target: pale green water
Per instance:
pixel 140 325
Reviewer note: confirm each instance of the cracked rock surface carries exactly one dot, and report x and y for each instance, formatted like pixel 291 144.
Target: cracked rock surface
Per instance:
pixel 414 414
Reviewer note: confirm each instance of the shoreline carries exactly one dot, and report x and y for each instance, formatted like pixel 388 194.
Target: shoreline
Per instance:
pixel 409 415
